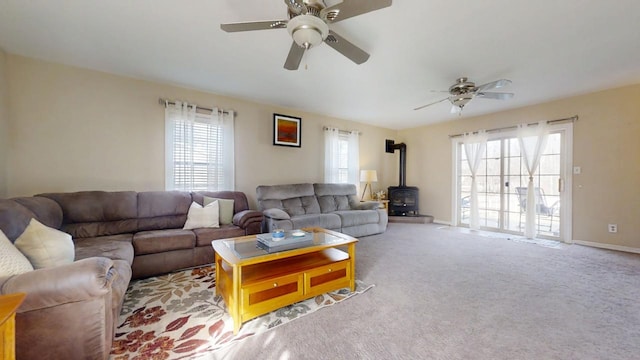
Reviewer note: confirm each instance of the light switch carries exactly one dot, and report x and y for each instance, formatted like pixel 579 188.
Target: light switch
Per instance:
pixel 577 170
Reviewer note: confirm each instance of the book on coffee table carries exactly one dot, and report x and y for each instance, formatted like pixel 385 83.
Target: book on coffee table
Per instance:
pixel 292 240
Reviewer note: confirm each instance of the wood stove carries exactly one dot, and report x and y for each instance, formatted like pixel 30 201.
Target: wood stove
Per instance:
pixel 403 199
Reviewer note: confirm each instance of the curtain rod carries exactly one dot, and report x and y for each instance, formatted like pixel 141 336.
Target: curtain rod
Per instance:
pixel 164 102
pixel 342 131
pixel 569 119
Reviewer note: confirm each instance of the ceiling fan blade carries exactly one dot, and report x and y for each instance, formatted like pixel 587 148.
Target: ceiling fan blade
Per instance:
pixel 296 6
pixel 433 103
pixel 294 57
pixel 346 48
pixel 255 25
pixel 351 8
pixel 495 95
pixel 494 85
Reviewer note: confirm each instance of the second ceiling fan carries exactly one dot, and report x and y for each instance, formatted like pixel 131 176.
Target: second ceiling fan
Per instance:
pixel 464 91
pixel 308 25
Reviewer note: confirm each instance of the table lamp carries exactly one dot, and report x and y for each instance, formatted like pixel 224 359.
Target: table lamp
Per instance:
pixel 368 176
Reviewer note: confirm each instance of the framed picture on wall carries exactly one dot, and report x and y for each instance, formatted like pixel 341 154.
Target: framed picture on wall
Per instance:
pixel 287 130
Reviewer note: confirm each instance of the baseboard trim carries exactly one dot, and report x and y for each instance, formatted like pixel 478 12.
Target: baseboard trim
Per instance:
pixel 442 222
pixel 608 246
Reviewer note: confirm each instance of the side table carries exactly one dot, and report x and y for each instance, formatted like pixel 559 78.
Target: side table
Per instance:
pixel 9 304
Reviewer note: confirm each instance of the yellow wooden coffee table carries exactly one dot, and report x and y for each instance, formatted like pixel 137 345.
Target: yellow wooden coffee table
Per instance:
pixel 254 281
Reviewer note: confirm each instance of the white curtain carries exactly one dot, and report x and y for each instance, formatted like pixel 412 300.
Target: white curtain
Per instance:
pixel 331 154
pixel 199 149
pixel 226 121
pixel 354 158
pixel 474 147
pixel 341 163
pixel 533 140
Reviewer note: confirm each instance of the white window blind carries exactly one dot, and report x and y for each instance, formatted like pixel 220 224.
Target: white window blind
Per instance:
pixel 199 149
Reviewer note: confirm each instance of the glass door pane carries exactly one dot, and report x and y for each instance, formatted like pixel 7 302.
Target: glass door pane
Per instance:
pixel 502 181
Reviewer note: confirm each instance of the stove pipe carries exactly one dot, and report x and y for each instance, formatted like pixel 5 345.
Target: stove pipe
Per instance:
pixel 391 147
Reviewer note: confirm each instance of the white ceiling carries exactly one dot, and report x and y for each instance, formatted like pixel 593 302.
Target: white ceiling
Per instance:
pixel 550 49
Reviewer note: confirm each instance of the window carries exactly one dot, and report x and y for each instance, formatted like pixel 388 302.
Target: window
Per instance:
pixel 343 159
pixel 199 149
pixel 342 164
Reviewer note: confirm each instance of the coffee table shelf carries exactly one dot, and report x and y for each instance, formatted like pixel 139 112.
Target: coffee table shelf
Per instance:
pixel 253 286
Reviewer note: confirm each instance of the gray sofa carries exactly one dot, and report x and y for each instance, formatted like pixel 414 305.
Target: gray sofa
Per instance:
pixel 71 311
pixel 330 206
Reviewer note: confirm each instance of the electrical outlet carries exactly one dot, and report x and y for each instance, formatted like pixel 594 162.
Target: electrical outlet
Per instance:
pixel 613 228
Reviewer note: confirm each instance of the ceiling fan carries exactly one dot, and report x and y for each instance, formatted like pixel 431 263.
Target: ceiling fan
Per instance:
pixel 308 25
pixel 464 91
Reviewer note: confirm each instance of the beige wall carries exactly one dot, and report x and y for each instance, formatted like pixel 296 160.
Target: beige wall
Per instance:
pixel 605 146
pixel 4 125
pixel 76 129
pixel 73 129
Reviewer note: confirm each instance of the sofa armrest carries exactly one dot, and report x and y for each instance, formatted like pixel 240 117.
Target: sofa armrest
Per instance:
pixel 48 287
pixel 277 214
pixel 366 205
pixel 246 217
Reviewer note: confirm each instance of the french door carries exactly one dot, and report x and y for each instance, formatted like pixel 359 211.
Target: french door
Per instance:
pixel 502 180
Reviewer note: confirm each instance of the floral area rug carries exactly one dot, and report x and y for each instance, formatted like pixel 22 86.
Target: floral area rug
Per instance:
pixel 177 316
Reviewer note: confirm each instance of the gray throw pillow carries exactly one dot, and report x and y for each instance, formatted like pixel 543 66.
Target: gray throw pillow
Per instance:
pixel 226 209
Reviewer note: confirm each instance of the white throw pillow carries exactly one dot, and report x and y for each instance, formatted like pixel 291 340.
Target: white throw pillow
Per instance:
pixel 203 217
pixel 45 246
pixel 12 261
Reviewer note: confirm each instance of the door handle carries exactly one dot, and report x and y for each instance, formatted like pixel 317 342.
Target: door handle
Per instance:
pixel 560 185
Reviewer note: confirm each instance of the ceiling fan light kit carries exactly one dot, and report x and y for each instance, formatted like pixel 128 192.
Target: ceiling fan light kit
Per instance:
pixel 307 30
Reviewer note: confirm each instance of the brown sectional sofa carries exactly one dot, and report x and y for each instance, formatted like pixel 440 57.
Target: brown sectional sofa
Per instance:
pixel 71 311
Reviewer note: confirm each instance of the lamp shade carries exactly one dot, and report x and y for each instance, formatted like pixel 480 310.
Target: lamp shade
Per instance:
pixel 368 176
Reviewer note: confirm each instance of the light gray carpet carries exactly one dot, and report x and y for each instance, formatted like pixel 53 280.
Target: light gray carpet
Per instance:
pixel 443 294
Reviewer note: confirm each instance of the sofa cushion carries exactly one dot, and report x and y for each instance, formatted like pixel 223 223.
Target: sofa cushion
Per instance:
pixel 97 213
pixel 114 247
pixel 12 261
pixel 14 218
pixel 97 229
pixel 301 205
pixel 336 197
pixel 358 217
pixel 45 246
pixel 335 189
pixel 157 241
pixel 47 211
pixel 204 236
pixel 331 203
pixel 327 221
pixel 226 209
pixel 203 216
pixel 16 213
pixel 277 214
pixel 162 209
pixel 366 205
pixel 295 199
pixel 281 192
